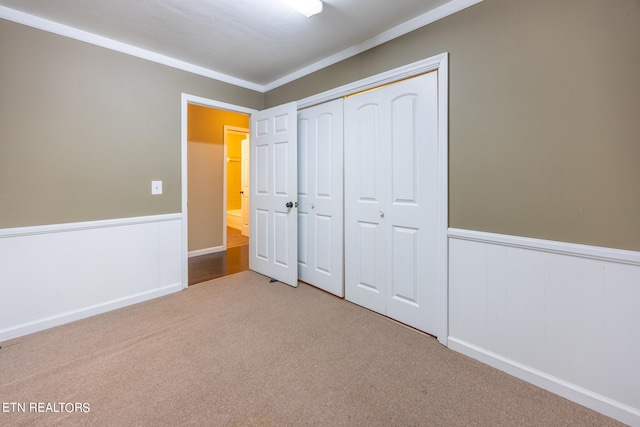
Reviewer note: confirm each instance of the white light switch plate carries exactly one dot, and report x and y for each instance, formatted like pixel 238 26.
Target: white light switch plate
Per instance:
pixel 156 187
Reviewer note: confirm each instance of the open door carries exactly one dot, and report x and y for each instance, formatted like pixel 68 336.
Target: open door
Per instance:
pixel 244 183
pixel 273 246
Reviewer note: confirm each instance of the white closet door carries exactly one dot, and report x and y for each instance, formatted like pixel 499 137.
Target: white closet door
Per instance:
pixel 320 196
pixel 273 246
pixel 391 158
pixel 365 200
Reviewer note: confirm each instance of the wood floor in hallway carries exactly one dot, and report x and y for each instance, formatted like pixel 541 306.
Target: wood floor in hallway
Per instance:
pixel 234 260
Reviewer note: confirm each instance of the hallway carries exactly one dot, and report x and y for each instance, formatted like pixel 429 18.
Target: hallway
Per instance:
pixel 234 260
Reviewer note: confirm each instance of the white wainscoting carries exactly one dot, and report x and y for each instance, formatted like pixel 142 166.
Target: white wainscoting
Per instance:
pixel 55 274
pixel 565 317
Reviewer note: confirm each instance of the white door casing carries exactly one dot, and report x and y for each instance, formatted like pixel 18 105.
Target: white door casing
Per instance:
pixel 391 199
pixel 245 180
pixel 320 196
pixel 274 231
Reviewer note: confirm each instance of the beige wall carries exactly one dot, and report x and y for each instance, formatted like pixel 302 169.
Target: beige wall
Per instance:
pixel 543 119
pixel 84 130
pixel 544 135
pixel 205 157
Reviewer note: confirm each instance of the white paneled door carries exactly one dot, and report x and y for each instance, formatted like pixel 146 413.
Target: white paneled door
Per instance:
pixel 320 196
pixel 244 182
pixel 391 195
pixel 274 231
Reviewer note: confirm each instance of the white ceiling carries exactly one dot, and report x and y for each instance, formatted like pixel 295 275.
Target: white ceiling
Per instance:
pixel 259 44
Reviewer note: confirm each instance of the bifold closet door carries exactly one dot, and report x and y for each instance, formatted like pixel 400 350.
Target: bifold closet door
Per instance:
pixel 391 166
pixel 320 196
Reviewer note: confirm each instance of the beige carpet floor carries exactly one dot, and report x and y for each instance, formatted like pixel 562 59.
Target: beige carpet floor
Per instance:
pixel 240 351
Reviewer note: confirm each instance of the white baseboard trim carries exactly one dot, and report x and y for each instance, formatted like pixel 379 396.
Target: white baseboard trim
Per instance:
pixel 206 251
pixel 582 396
pixel 39 325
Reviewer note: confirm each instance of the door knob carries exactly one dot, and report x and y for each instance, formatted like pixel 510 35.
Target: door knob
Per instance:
pixel 289 205
pixel 381 214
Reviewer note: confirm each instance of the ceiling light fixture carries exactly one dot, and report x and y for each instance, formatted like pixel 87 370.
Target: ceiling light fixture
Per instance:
pixel 306 7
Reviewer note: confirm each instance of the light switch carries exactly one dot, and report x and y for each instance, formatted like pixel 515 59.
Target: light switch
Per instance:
pixel 156 187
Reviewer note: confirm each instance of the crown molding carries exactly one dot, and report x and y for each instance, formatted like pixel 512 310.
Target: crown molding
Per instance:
pixel 64 30
pixel 413 24
pixel 87 37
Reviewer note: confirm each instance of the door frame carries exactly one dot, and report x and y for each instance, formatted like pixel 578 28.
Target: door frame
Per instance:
pixel 227 129
pixel 438 63
pixel 187 99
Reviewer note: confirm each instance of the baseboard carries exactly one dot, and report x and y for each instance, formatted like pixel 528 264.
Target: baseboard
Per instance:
pixel 40 325
pixel 579 395
pixel 206 251
pixel 559 315
pixel 85 268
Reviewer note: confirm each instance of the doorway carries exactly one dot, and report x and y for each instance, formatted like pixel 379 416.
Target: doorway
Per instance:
pixel 214 137
pixel 236 174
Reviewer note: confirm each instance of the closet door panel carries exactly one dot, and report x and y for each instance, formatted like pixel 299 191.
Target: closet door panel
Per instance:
pixel 391 163
pixel 305 168
pixel 320 196
pixel 412 226
pixel 404 280
pixel 404 149
pixel 365 191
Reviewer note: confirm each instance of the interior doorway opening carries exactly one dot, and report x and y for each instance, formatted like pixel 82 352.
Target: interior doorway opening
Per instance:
pixel 216 246
pixel 237 186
